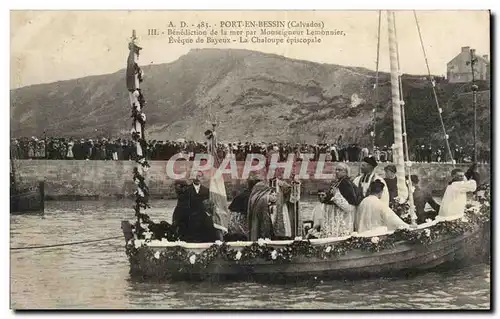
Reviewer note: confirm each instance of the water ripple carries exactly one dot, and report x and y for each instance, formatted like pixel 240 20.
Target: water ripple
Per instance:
pixel 96 275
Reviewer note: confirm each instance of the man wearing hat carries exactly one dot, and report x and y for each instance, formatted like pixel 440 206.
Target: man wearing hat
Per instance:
pixel 368 176
pixel 391 181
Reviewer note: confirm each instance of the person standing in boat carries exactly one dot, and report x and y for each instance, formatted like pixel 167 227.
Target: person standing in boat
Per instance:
pixel 180 217
pixel 455 196
pixel 335 216
pixel 201 224
pixel 391 181
pixel 260 208
pixel 373 213
pixel 283 217
pixel 422 196
pixel 238 223
pixel 368 176
pixel 196 193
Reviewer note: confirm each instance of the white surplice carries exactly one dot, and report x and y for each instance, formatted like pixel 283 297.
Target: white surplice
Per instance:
pixel 365 181
pixel 455 198
pixel 373 213
pixel 336 219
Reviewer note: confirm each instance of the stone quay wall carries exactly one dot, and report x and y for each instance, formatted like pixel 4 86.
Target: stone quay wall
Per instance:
pixel 77 180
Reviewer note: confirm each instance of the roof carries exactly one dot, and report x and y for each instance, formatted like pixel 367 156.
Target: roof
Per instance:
pixel 479 58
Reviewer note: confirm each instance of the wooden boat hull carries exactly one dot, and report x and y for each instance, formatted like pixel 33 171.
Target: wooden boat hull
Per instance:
pixel 404 259
pixel 29 201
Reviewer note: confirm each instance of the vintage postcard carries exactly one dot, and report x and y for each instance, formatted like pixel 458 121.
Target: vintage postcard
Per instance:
pixel 250 160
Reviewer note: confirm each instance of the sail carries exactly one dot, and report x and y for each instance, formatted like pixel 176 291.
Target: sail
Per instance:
pixel 218 189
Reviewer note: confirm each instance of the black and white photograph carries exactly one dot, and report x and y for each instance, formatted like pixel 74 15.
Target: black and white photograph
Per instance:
pixel 250 160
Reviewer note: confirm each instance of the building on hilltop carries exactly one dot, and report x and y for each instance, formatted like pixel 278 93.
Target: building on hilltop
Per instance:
pixel 459 71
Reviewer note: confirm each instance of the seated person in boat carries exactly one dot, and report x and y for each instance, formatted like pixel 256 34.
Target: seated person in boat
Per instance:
pixel 201 225
pixel 238 223
pixel 373 213
pixel 422 196
pixel 455 196
pixel 334 215
pixel 318 216
pixel 367 176
pixel 180 217
pixel 391 181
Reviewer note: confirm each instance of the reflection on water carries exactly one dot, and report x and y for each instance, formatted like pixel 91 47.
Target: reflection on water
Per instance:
pixel 96 275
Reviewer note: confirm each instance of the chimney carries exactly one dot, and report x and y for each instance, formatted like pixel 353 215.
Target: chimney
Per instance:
pixel 485 56
pixel 466 49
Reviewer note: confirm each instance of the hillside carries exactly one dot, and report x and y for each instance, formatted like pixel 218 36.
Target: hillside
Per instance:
pixel 253 96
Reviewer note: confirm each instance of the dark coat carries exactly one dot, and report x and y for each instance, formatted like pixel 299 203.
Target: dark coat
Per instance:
pixel 240 202
pixel 200 226
pixel 349 191
pixel 392 187
pixel 420 198
pixel 196 199
pixel 180 217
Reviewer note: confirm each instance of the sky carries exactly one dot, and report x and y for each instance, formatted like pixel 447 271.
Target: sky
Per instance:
pixel 49 46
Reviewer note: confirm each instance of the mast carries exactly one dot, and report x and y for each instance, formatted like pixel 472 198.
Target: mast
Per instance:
pixel 373 133
pixel 134 75
pixel 398 154
pixel 473 61
pixel 405 133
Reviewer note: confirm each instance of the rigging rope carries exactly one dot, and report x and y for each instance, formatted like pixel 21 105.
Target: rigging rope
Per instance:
pixel 434 89
pixel 66 244
pixel 376 85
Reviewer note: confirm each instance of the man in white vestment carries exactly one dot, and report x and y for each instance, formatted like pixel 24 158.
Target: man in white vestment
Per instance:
pixel 455 196
pixel 373 213
pixel 368 176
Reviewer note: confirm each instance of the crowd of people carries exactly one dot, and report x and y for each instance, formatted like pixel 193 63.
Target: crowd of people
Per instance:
pixel 265 208
pixel 120 149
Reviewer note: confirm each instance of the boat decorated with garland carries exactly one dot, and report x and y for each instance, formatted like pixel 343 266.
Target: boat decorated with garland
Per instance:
pixel 153 253
pixel 402 252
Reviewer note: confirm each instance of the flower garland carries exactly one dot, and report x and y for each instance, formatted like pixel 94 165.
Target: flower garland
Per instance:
pixel 473 216
pixel 134 76
pixel 402 210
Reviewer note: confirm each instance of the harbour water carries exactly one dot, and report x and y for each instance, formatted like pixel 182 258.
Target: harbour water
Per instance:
pixel 95 275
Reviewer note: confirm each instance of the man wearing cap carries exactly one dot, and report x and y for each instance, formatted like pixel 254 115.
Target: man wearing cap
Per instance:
pixel 391 181
pixel 368 176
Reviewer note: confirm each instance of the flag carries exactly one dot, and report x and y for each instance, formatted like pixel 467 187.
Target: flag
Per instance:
pixel 217 188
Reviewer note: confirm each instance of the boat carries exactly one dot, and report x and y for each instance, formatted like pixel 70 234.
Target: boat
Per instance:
pixel 436 243
pixel 26 200
pixel 401 252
